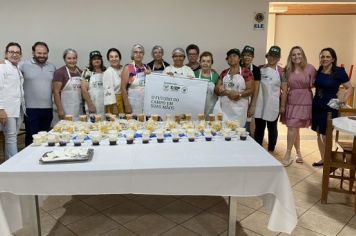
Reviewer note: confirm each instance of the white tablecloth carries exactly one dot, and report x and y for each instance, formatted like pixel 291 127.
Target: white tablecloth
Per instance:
pixel 219 168
pixel 345 124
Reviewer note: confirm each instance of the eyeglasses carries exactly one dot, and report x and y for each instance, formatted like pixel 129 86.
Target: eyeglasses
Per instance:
pixel 14 52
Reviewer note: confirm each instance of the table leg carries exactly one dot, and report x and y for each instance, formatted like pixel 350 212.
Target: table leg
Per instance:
pixel 31 214
pixel 232 216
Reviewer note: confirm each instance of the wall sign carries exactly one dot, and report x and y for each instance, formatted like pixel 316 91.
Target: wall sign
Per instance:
pixel 259 21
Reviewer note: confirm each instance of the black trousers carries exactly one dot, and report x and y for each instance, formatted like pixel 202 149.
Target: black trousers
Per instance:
pixel 272 132
pixel 37 119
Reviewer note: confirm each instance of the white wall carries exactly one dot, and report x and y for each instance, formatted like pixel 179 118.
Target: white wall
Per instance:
pixel 87 25
pixel 313 33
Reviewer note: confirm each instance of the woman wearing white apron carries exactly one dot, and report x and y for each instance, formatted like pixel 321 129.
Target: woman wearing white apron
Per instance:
pixel 206 60
pixel 268 104
pixel 66 88
pixel 92 84
pixel 133 81
pixel 234 88
pixel 158 64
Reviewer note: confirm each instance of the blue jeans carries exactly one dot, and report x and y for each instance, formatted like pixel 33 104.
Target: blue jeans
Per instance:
pixel 10 130
pixel 37 119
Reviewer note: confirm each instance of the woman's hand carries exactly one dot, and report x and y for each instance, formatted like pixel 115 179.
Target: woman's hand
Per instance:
pixel 128 109
pixel 91 108
pixel 3 117
pixel 282 109
pixel 170 74
pixel 251 111
pixel 147 71
pixel 115 111
pixel 61 114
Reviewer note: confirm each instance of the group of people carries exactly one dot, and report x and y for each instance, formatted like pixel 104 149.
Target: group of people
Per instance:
pixel 43 94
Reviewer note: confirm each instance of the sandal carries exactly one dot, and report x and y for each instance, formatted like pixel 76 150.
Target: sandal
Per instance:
pixel 299 159
pixel 287 163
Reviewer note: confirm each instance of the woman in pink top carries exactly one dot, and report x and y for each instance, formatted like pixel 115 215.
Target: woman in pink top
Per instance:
pixel 300 77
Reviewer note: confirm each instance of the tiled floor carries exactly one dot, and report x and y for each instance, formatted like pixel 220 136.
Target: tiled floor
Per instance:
pixel 111 215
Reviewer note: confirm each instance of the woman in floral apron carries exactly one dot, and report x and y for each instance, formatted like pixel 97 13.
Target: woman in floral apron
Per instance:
pixel 133 81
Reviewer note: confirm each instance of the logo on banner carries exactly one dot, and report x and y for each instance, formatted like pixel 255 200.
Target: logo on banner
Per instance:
pixel 259 21
pixel 174 87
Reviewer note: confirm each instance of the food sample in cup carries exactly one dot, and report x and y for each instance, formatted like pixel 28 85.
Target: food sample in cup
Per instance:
pixel 175 135
pixel 145 136
pixel 220 116
pixel 243 135
pixel 130 138
pixel 51 139
pixel 97 118
pixel 188 117
pixel 112 135
pixel 227 134
pixel 68 117
pixel 160 136
pixel 169 117
pixel 211 117
pixel 129 116
pixel 177 118
pixel 37 139
pixel 201 117
pixel 96 138
pixel 79 139
pixel 155 117
pixel 141 117
pixel 83 118
pixel 191 135
pixel 208 135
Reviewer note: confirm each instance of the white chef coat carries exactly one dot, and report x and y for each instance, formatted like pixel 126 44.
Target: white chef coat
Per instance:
pixel 184 71
pixel 11 89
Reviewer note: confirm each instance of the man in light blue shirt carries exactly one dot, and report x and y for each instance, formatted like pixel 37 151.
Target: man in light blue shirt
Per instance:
pixel 38 75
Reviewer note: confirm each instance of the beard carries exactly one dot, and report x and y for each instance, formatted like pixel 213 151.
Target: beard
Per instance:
pixel 40 59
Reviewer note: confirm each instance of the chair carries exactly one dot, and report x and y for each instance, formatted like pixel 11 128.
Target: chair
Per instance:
pixel 346 146
pixel 334 160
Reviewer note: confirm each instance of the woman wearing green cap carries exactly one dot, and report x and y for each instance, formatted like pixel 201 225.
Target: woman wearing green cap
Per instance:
pixel 92 84
pixel 268 104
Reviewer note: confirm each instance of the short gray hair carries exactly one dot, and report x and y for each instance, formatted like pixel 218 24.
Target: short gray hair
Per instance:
pixel 69 50
pixel 178 50
pixel 157 47
pixel 135 46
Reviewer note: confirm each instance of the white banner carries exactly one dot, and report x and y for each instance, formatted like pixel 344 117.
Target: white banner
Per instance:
pixel 165 94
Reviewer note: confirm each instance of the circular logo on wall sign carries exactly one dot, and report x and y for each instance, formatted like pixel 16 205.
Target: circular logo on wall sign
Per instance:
pixel 259 17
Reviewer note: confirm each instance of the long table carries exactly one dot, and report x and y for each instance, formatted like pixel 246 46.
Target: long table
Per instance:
pixel 217 168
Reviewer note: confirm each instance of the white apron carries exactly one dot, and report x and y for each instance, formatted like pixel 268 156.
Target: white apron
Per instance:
pixel 96 92
pixel 267 105
pixel 234 110
pixel 136 92
pixel 211 97
pixel 71 98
